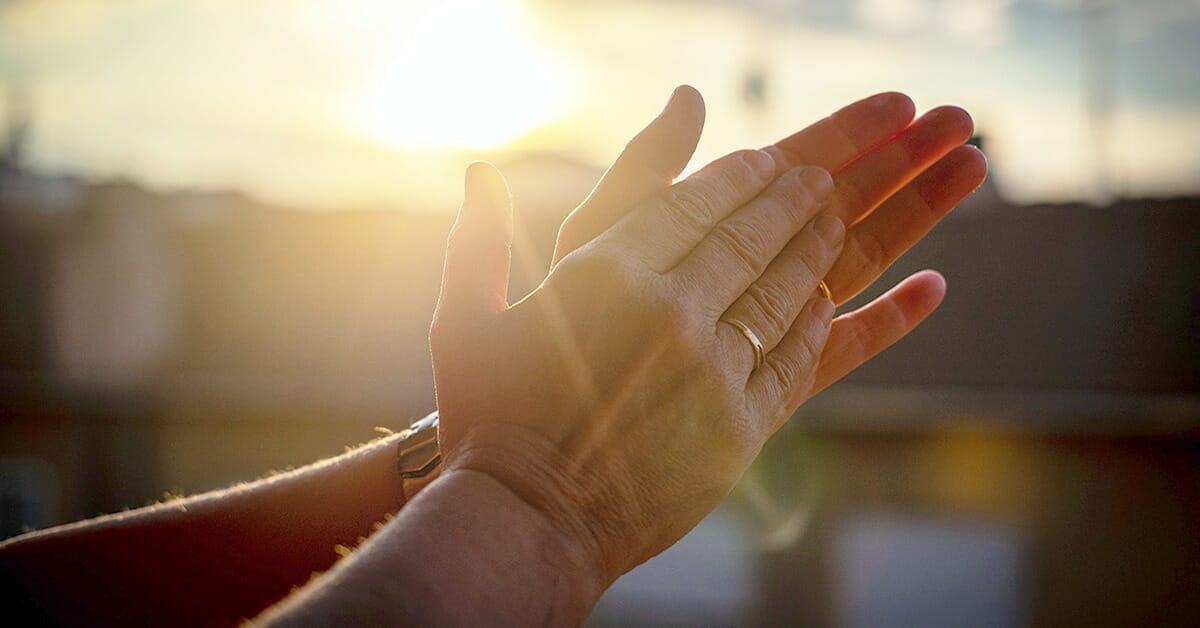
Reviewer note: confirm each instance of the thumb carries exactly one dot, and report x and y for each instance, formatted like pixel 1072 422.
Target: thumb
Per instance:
pixel 478 251
pixel 649 163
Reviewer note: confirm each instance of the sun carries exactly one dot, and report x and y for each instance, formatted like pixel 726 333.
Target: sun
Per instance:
pixel 467 77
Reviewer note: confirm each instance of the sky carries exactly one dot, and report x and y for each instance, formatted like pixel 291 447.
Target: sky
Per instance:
pixel 325 104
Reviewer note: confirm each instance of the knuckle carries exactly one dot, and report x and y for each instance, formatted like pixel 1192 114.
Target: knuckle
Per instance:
pixel 810 348
pixel 812 260
pixel 784 370
pixel 772 302
pixel 744 242
pixel 792 191
pixel 851 194
pixel 740 174
pixel 680 222
pixel 874 250
pixel 858 344
pixel 691 203
pixel 906 153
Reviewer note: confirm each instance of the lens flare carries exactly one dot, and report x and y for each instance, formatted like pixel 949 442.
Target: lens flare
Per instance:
pixel 470 77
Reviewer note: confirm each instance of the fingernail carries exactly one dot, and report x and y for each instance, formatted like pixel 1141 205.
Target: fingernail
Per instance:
pixel 484 187
pixel 823 309
pixel 671 101
pixel 828 228
pixel 818 182
pixel 760 162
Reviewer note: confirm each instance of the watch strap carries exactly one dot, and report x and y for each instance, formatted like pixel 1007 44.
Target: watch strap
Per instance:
pixel 418 459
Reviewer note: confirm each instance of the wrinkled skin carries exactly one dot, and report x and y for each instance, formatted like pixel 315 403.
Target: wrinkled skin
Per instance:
pixel 613 398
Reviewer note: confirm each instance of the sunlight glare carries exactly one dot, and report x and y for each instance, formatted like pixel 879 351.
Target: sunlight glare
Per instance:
pixel 468 78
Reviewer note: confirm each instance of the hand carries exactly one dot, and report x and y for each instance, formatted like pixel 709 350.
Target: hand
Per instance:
pixel 894 179
pixel 613 398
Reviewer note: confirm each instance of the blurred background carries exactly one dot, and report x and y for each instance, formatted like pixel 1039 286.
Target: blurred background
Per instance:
pixel 221 229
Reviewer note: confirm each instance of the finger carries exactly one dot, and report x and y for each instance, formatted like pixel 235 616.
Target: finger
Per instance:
pixel 774 390
pixel 738 250
pixel 478 251
pixel 649 163
pixel 860 335
pixel 839 138
pixel 665 229
pixel 660 152
pixel 886 233
pixel 770 305
pixel 864 183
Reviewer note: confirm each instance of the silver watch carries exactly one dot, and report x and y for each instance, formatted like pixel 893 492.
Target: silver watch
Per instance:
pixel 417 455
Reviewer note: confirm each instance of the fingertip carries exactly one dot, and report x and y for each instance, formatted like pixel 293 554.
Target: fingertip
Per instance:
pixel 818 181
pixel 936 280
pixel 665 146
pixel 897 102
pixel 877 116
pixel 975 160
pixel 486 204
pixel 687 94
pixel 687 91
pixel 686 103
pixel 953 117
pixel 831 230
pixel 484 187
pixel 952 178
pixel 478 171
pixel 973 165
pixel 760 162
pixel 928 290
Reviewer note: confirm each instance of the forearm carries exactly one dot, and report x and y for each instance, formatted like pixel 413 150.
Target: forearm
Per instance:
pixel 466 552
pixel 206 559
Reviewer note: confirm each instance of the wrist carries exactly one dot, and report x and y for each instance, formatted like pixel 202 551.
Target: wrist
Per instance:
pixel 533 550
pixel 467 551
pixel 530 467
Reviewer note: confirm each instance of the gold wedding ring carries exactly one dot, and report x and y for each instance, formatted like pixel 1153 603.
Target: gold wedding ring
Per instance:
pixel 759 353
pixel 824 289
